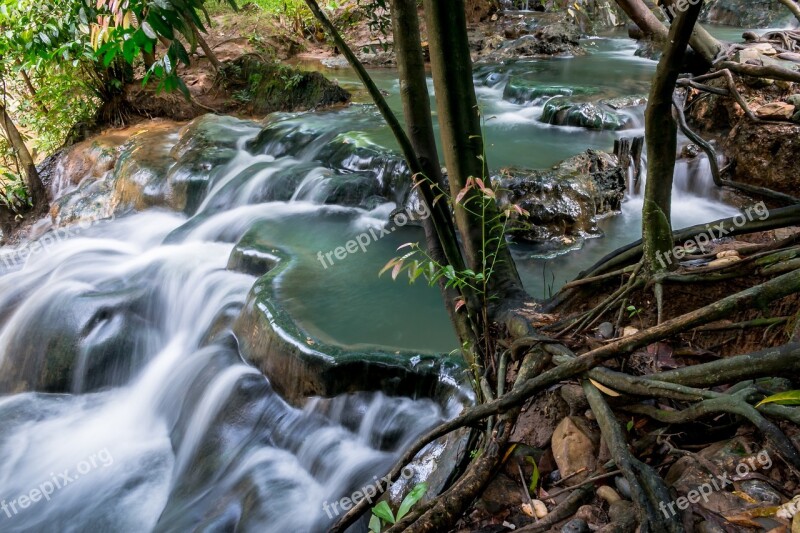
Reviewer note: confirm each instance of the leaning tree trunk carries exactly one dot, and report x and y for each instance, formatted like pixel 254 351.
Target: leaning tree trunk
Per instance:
pixel 701 41
pixel 793 6
pixel 661 133
pixel 212 57
pixel 462 142
pixel 32 180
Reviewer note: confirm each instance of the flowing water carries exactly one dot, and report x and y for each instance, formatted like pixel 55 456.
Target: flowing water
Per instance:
pixel 143 415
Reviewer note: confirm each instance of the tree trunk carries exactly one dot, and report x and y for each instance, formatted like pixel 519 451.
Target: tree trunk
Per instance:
pixel 149 59
pixel 462 142
pixel 793 6
pixel 32 180
pixel 32 90
pixel 701 41
pixel 661 135
pixel 207 50
pixel 419 128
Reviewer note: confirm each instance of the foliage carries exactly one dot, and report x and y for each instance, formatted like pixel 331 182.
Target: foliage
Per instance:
pixel 791 397
pixel 13 194
pixel 382 513
pixel 494 230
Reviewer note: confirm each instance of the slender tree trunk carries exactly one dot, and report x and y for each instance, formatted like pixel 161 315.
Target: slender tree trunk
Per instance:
pixel 207 49
pixel 419 128
pixel 149 59
pixel 462 142
pixel 661 134
pixel 32 180
pixel 701 41
pixel 32 90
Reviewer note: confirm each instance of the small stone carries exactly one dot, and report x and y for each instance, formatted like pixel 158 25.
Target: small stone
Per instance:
pixel 576 525
pixel 539 509
pixel 776 110
pixel 690 151
pixel 589 514
pixel 796 118
pixel 761 491
pixel 728 253
pixel 608 494
pixel 764 48
pixel 574 448
pixel 605 330
pixel 627 331
pixel 623 486
pixel 794 100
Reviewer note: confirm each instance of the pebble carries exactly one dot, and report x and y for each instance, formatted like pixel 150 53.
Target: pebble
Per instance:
pixel 627 331
pixel 576 525
pixel 623 486
pixel 608 494
pixel 539 509
pixel 605 330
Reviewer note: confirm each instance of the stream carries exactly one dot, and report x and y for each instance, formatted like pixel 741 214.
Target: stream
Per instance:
pixel 141 413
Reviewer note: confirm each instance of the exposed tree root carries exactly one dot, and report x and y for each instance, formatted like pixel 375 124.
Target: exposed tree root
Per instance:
pixel 647 487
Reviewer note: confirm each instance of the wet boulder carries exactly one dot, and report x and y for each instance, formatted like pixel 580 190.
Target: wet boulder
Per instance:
pixel 594 116
pixel 355 154
pixel 203 144
pixel 564 203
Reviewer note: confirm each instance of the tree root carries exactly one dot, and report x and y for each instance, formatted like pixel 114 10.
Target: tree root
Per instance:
pixel 711 154
pixel 647 487
pixel 531 381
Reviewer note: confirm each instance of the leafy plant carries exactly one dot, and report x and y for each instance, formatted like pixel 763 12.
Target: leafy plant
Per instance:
pixel 534 476
pixel 382 514
pixel 791 397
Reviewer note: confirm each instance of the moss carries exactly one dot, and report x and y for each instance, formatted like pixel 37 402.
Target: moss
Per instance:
pixel 264 87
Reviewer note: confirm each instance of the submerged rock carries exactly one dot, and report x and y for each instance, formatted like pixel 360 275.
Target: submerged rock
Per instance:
pixel 521 90
pixel 566 201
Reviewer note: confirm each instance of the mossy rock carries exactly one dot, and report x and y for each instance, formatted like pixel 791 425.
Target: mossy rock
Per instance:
pixel 265 87
pixel 564 112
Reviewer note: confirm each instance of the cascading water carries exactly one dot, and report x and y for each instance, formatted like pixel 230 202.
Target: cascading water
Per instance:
pixel 127 406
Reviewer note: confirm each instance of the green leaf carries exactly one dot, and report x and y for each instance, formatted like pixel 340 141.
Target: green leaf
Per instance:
pixel 148 30
pixel 384 512
pixel 375 524
pixel 534 475
pixel 411 498
pixel 791 397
